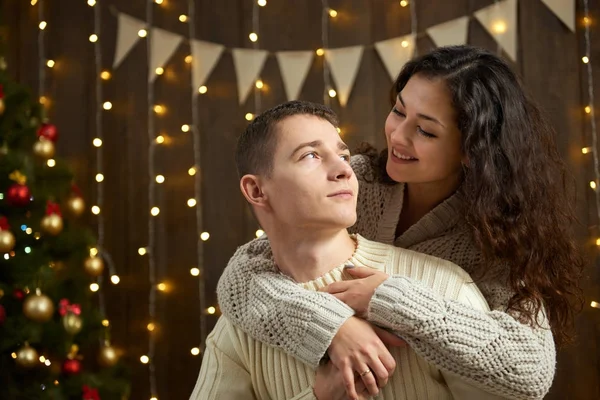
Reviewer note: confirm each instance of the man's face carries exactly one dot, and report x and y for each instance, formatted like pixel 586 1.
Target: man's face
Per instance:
pixel 312 185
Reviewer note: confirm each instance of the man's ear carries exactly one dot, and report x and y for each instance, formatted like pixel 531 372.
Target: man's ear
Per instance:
pixel 252 190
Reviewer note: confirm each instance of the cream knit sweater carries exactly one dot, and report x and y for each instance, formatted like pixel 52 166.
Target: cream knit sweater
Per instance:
pixel 237 367
pixel 500 355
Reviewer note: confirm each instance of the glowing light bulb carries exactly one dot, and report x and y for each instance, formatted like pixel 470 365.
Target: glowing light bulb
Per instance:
pixel 95 210
pixel 144 359
pixel 99 177
pixel 585 59
pixel 150 326
pixel 160 139
pixel 142 33
pixel 211 310
pixel 97 142
pixel 183 18
pixel 195 351
pixel 43 25
pixel 332 93
pixel 107 105
pixel 142 251
pixel 162 287
pixel 185 128
pixel 586 150
pixel 159 71
pixel 249 116
pixel 50 63
pixel 188 59
pixel 93 38
pixel 105 323
pixel 192 171
pixel 259 233
pixel 105 75
pixel 160 178
pixel 159 109
pixel 332 13
pixel 115 279
pixel 253 37
pixel 159 2
pixel 404 43
pixel 262 3
pixel 595 304
pixel 94 287
pixel 195 271
pixel 51 162
pixel 91 3
pixel 191 202
pixel 202 89
pixel 499 27
pixel 593 185
pixel 205 236
pixel 403 3
pixel 320 52
pixel 588 109
pixel 259 84
pixel 155 211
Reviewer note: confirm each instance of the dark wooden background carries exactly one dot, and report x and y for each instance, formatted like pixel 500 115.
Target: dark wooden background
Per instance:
pixel 548 60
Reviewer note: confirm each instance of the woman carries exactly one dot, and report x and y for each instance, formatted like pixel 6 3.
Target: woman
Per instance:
pixel 470 175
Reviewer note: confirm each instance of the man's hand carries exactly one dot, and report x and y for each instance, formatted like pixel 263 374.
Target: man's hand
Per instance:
pixel 357 293
pixel 329 385
pixel 358 351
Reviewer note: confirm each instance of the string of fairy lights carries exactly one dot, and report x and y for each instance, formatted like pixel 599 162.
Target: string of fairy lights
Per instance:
pixel 590 110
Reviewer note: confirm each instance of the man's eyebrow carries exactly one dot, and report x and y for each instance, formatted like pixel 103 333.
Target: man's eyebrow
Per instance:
pixel 314 143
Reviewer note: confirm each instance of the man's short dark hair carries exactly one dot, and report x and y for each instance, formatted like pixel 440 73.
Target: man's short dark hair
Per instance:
pixel 256 145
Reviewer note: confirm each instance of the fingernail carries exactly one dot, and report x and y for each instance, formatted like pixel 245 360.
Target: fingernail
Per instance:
pixel 348 266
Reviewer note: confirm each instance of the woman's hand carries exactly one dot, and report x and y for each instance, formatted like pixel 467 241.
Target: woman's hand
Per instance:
pixel 329 385
pixel 357 293
pixel 359 351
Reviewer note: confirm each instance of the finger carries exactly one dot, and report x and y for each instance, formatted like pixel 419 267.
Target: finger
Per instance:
pixel 336 287
pixel 360 272
pixel 369 380
pixel 380 371
pixel 348 376
pixel 389 338
pixel 361 390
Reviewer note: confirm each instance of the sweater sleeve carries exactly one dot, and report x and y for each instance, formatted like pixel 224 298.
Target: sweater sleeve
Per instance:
pixel 491 350
pixel 222 375
pixel 274 310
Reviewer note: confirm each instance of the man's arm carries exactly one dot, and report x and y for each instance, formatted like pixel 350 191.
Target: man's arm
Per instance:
pixel 222 375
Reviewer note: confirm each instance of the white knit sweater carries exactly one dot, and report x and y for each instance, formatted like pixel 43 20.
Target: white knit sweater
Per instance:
pixel 501 355
pixel 237 367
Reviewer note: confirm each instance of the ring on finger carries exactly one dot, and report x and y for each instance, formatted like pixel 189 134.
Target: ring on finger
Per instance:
pixel 366 372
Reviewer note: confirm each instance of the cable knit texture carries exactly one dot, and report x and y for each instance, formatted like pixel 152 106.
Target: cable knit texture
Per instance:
pixel 489 349
pixel 236 366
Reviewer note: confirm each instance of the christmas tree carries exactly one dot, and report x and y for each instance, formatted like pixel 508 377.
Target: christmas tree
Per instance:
pixel 54 340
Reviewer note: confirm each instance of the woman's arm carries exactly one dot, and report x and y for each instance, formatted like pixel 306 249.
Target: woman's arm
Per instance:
pixel 274 310
pixel 489 349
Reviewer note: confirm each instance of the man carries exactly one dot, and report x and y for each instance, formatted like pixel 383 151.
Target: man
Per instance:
pixel 296 175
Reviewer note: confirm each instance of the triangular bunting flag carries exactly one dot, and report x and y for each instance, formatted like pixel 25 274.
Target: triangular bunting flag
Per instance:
pixel 248 63
pixel 395 53
pixel 450 33
pixel 164 44
pixel 205 56
pixel 500 20
pixel 127 36
pixel 294 66
pixel 344 63
pixel 564 10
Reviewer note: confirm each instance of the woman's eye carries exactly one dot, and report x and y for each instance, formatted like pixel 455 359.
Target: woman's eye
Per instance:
pixel 398 112
pixel 426 134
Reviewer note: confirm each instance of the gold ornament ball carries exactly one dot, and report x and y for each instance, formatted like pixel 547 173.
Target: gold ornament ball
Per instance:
pixel 72 323
pixel 43 148
pixel 7 241
pixel 27 357
pixel 2 106
pixel 76 205
pixel 38 307
pixel 52 224
pixel 94 266
pixel 108 356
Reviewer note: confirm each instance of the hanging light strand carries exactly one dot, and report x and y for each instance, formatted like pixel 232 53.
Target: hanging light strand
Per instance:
pixel 196 138
pixel 255 29
pixel 151 203
pixel 41 51
pixel 325 42
pixel 591 102
pixel 414 25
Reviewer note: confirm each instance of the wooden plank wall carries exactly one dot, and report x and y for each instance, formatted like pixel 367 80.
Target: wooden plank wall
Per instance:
pixel 548 61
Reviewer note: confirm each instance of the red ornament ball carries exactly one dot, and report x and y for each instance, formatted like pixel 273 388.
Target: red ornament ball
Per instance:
pixel 71 367
pixel 18 195
pixel 49 132
pixel 2 314
pixel 19 294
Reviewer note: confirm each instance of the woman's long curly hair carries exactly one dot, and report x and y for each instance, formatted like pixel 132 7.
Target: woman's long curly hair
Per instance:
pixel 518 197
